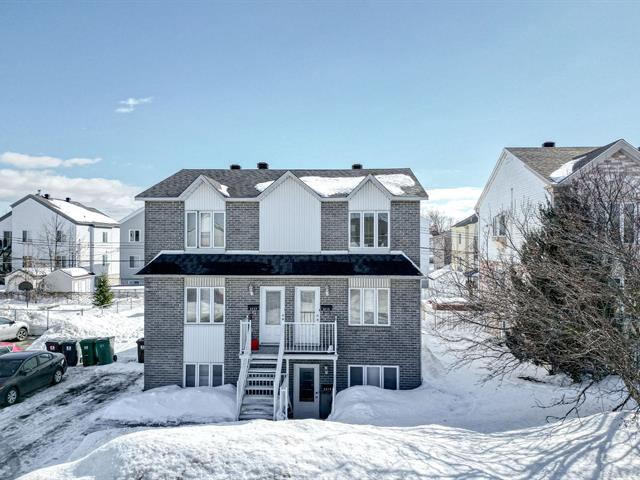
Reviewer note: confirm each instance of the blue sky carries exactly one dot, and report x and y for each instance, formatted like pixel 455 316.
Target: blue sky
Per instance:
pixel 438 87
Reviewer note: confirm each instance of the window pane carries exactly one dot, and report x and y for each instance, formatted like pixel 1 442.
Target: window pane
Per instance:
pixel 368 229
pixel 629 222
pixel 273 307
pixel 192 296
pixel 369 306
pixel 203 375
pixel 191 230
pixel 354 316
pixel 383 306
pixel 354 230
pixel 137 235
pixel 219 230
pixel 205 230
pixel 355 376
pixel 383 229
pixel 132 262
pixel 190 376
pixel 205 305
pixel 373 376
pixel 216 373
pixel 218 298
pixel 391 378
pixel 306 385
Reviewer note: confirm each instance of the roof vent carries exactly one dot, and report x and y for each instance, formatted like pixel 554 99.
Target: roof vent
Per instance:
pixel 67 199
pixel 549 144
pixel 356 166
pixel 263 166
pixel 234 166
pixel 46 195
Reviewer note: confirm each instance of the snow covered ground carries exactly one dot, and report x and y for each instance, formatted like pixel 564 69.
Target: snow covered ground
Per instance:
pixel 451 427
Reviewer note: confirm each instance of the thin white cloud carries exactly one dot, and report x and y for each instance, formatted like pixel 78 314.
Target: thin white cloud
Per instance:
pixel 110 196
pixel 130 104
pixel 456 203
pixel 22 160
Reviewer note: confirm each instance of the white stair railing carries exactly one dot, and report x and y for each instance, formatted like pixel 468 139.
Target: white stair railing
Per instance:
pixel 318 337
pixel 245 359
pixel 277 379
pixel 283 399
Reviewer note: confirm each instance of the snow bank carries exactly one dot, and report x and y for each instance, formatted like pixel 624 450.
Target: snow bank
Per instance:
pixel 598 446
pixel 173 405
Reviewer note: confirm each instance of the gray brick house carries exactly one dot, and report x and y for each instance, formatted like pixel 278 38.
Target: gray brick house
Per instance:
pixel 291 284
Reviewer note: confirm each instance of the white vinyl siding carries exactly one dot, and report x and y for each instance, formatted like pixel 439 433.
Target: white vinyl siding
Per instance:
pixel 205 229
pixel 381 376
pixel 369 306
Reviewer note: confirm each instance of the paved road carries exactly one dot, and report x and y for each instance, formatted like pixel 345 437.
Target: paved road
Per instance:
pixel 47 426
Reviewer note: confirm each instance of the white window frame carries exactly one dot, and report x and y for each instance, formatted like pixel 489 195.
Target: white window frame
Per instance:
pixel 623 216
pixel 213 214
pixel 105 237
pixel 197 376
pixel 375 301
pixel 212 304
pixel 364 374
pixel 135 231
pixel 376 214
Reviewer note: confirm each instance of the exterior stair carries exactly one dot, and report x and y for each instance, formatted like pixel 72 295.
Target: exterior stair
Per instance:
pixel 257 402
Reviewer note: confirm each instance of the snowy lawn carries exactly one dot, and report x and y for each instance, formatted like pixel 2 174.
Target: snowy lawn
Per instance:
pixel 598 447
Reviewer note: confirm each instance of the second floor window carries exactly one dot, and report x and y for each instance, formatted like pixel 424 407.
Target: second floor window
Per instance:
pixel 133 261
pixel 500 225
pixel 134 235
pixel 105 237
pixel 205 229
pixel 25 236
pixel 369 229
pixel 60 236
pixel 105 260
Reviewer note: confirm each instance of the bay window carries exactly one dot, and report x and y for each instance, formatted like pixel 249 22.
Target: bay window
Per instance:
pixel 204 229
pixel 380 376
pixel 203 302
pixel 368 306
pixel 369 229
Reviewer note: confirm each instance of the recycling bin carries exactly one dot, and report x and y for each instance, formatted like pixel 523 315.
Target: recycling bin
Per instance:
pixel 140 343
pixel 88 347
pixel 105 350
pixel 72 352
pixel 54 345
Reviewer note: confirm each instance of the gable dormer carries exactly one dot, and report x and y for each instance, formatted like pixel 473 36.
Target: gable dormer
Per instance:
pixel 205 216
pixel 369 216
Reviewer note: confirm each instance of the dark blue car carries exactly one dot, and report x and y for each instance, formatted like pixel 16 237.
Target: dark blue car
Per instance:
pixel 24 372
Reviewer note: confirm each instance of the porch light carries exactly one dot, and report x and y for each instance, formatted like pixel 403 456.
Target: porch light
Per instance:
pixel 251 289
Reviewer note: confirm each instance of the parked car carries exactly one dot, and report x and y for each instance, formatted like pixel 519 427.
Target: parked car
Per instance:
pixel 10 347
pixel 4 350
pixel 10 329
pixel 24 372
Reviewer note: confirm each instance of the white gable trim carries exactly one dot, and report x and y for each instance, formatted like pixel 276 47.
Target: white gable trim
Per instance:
pixel 621 144
pixel 283 178
pixel 377 183
pixel 199 181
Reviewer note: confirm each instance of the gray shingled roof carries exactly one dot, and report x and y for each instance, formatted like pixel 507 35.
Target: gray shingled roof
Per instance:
pixel 242 183
pixel 467 221
pixel 546 160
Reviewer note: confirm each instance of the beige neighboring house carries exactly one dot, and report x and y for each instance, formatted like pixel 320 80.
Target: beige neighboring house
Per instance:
pixel 464 245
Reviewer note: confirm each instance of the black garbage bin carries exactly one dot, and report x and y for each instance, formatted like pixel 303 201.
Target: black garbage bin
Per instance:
pixel 72 352
pixel 140 343
pixel 54 345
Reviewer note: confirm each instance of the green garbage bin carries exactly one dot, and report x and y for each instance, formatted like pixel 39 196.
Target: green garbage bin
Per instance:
pixel 105 350
pixel 88 347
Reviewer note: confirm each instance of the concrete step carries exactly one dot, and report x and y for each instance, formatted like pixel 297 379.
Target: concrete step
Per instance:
pixel 256 416
pixel 261 371
pixel 258 400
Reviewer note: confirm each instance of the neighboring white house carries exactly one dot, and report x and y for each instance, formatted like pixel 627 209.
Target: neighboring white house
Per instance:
pixel 132 247
pixel 52 233
pixel 69 280
pixel 524 178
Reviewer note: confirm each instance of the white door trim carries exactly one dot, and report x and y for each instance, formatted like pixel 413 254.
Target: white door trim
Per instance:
pixel 306 409
pixel 270 334
pixel 310 332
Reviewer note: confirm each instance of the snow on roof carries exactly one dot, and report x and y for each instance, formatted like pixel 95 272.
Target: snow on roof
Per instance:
pixel 564 171
pixel 80 213
pixel 75 272
pixel 332 186
pixel 224 190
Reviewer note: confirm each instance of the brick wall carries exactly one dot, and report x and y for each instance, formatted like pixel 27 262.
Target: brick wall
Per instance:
pixel 163 331
pixel 163 227
pixel 405 228
pixel 334 219
pixel 243 226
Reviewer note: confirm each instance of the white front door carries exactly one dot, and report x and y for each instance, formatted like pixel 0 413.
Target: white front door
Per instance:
pixel 307 329
pixel 271 313
pixel 306 391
